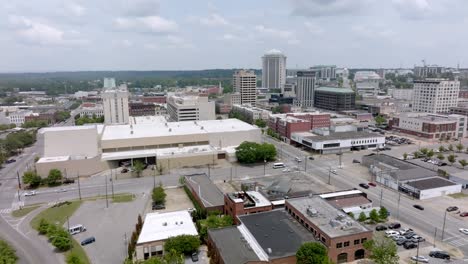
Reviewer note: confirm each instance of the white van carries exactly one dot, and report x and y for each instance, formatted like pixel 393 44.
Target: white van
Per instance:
pixel 76 229
pixel 297 159
pixel 278 165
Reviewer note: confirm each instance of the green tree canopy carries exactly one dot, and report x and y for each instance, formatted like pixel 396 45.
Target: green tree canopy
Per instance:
pixel 383 250
pixel 250 152
pixel 374 216
pixel 260 123
pixel 362 217
pixel 54 178
pixel 183 244
pixel 31 178
pixel 138 167
pixel 383 213
pixel 312 253
pixel 451 158
pixel 463 163
pixel 7 253
pixel 159 195
pixel 380 120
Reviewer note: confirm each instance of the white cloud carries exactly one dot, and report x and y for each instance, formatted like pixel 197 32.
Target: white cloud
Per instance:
pixel 228 36
pixel 279 34
pixel 374 32
pixel 152 24
pixel 313 28
pixel 75 9
pixel 321 8
pixel 413 9
pixel 139 8
pixel 214 20
pixel 37 33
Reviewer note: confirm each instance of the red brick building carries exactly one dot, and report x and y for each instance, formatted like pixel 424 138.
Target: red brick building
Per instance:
pixel 49 118
pixel 430 126
pixel 141 109
pixel 160 99
pixel 286 124
pixel 240 203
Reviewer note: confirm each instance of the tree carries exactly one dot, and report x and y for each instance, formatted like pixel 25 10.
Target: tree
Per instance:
pixel 183 244
pixel 383 250
pixel 173 257
pixel 463 163
pixel 7 253
pixel 373 215
pixel 442 149
pixel 138 167
pixel 423 151
pixel 43 226
pixel 380 120
pixel 260 123
pixel 246 152
pixel 416 154
pixel 451 158
pixel 266 152
pixel 73 258
pixel 213 221
pixel 459 147
pixel 312 253
pixel 405 156
pixel 159 195
pixel 351 214
pixel 31 178
pixel 62 242
pixel 430 153
pixel 383 213
pixel 54 178
pixel 362 217
pixel 440 156
pixel 450 147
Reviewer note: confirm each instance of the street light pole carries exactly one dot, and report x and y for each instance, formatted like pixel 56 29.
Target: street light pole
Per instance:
pixel 435 235
pixel 264 167
pixel 79 187
pixel 112 185
pixel 443 226
pixel 417 253
pixel 398 207
pixel 381 197
pixel 329 175
pixel 305 163
pixel 107 201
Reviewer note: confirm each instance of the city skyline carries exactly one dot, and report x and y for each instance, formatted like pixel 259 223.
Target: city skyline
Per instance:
pixel 81 35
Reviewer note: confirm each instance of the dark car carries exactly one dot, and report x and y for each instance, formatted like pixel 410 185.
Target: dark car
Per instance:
pixel 409 245
pixel 124 170
pixel 394 225
pixel 68 181
pixel 10 161
pixel 88 240
pixel 158 206
pixel 401 241
pixel 452 208
pixel 417 206
pixel 194 256
pixel 464 214
pixel 356 161
pixel 373 184
pixel 311 158
pixel 409 235
pixel 363 185
pixel 380 228
pixel 439 254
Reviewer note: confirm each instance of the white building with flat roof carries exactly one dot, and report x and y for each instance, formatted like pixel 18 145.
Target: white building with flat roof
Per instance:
pixel 367 82
pixel 244 82
pixel 158 227
pixel 190 108
pixel 115 103
pixel 274 70
pixel 435 95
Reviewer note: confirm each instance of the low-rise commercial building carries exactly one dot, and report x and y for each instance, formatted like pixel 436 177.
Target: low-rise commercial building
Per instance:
pixel 430 126
pixel 141 109
pixel 287 124
pixel 339 141
pixel 245 202
pixel 89 110
pixel 205 192
pixel 343 236
pixel 190 108
pixel 157 228
pixel 334 98
pixel 367 83
pixel 251 113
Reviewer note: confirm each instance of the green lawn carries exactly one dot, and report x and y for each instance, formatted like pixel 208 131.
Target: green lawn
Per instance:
pixel 458 195
pixel 24 211
pixel 59 215
pixel 123 198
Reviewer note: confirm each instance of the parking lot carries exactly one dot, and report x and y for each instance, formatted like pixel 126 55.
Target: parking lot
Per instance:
pixel 112 227
pixel 176 199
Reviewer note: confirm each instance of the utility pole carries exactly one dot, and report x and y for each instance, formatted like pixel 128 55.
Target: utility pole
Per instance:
pixel 231 173
pixel 19 181
pixel 398 206
pixel 443 226
pixel 209 171
pixel 381 197
pixel 68 223
pixel 112 185
pixel 107 201
pixel 79 187
pixel 305 163
pixel 264 167
pixel 435 235
pixel 125 242
pixel 417 253
pixel 329 175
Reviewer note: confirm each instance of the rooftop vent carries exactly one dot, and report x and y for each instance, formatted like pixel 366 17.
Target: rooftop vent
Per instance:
pixel 165 224
pixel 312 212
pixel 269 251
pixel 170 129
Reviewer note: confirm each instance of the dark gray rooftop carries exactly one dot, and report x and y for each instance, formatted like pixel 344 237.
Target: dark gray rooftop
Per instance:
pixel 430 183
pixel 206 190
pixel 232 246
pixel 343 136
pixel 278 231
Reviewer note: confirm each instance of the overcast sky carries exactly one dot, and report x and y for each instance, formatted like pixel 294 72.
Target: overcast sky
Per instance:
pixel 69 35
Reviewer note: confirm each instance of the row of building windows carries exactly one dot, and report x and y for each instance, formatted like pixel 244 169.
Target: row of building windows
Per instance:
pixel 346 244
pixel 364 141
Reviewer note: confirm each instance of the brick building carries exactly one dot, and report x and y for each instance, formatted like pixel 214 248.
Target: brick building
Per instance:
pixel 342 235
pixel 159 99
pixel 240 203
pixel 205 192
pixel 287 124
pixel 141 109
pixel 48 117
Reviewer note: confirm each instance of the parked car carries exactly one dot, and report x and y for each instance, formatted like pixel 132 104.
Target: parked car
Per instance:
pixel 417 206
pixel 405 230
pixel 124 170
pixel 394 225
pixel 409 245
pixel 356 161
pixel 391 233
pixel 463 230
pixel 401 241
pixel 158 206
pixel 417 239
pixel 68 181
pixel 398 237
pixel 10 161
pixel 409 235
pixel 61 190
pixel 373 184
pixel 363 185
pixel 297 159
pixel 439 254
pixel 31 193
pixel 88 240
pixel 420 259
pixel 194 256
pixel 464 214
pixel 333 171
pixel 380 228
pixel 452 208
pixel 311 158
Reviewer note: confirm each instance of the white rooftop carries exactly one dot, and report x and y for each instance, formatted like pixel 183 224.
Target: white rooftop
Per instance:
pixel 53 159
pixel 259 199
pixel 335 194
pixel 160 226
pixel 148 120
pixel 159 153
pixel 66 128
pixel 116 132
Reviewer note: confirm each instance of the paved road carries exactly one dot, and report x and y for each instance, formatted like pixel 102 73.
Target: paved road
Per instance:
pixel 427 221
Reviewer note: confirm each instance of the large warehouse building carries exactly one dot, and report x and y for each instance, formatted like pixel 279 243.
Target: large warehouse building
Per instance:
pixel 85 150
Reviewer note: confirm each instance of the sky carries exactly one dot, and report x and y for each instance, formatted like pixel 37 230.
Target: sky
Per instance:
pixel 76 35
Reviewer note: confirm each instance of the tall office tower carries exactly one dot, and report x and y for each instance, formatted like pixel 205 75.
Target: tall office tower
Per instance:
pixel 435 95
pixel 274 70
pixel 190 108
pixel 305 89
pixel 325 72
pixel 245 83
pixel 109 83
pixel 115 103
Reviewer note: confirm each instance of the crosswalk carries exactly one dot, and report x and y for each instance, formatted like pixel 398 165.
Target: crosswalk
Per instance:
pixel 457 241
pixel 6 211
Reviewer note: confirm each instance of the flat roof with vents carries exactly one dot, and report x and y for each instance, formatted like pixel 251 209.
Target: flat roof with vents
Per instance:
pixel 161 226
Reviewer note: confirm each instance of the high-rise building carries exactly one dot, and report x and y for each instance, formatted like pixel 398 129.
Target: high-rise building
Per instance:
pixel 428 71
pixel 115 103
pixel 325 72
pixel 435 95
pixel 190 108
pixel 305 89
pixel 274 70
pixel 245 83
